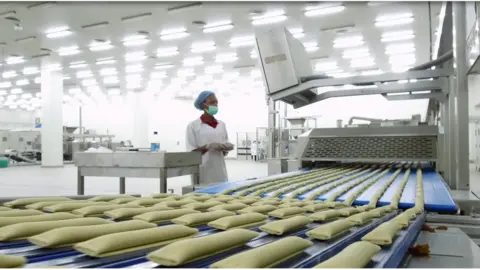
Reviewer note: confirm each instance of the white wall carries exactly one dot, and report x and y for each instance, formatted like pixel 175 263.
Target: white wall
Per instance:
pixel 13 119
pixel 241 113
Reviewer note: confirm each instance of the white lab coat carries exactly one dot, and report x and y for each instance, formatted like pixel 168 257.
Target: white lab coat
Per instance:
pixel 254 149
pixel 213 168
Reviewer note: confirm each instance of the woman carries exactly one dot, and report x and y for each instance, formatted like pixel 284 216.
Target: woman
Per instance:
pixel 209 136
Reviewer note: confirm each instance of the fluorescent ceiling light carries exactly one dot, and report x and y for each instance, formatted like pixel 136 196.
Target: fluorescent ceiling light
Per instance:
pixel 163 66
pixel 78 64
pixel 136 42
pixel 253 54
pixel 108 71
pixel 5 84
pixel 22 82
pixel 226 57
pixel 53 67
pixel 26 96
pixel 340 75
pixel 12 60
pixel 371 72
pixel 100 46
pixel 347 42
pixel 114 92
pixel 65 51
pixel 66 78
pixel 356 53
pixel 214 69
pixel 105 62
pixel 326 66
pixel 16 91
pixel 396 16
pixel 167 52
pixel 173 34
pixel 30 70
pixel 133 68
pixel 37 80
pixel 400 48
pixel 394 22
pixel 323 10
pixel 58 32
pixel 218 27
pixel 311 49
pixel 135 56
pixel 110 80
pixel 298 35
pixel 84 74
pixel 269 20
pixel 158 75
pixel 362 62
pixel 397 36
pixel 193 61
pixel 9 74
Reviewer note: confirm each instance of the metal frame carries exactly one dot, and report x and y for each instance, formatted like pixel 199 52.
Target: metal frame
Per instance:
pixel 447 86
pixel 137 164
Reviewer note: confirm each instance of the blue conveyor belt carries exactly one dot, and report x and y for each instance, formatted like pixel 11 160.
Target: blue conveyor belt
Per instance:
pixel 436 193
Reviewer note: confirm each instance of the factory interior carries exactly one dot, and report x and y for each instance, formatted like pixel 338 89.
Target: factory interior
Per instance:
pixel 347 135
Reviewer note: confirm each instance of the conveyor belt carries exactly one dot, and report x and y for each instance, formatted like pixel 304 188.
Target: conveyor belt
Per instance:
pixel 320 251
pixel 437 196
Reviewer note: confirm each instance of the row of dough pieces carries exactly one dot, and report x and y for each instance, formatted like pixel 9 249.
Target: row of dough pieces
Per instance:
pixel 63 236
pixel 141 235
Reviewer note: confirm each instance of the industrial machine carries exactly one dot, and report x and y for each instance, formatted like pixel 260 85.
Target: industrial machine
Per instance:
pixel 23 146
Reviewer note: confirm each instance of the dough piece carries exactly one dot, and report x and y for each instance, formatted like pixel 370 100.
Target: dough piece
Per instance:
pixel 238 221
pixel 147 202
pixel 21 231
pixel 402 220
pixel 267 202
pixel 229 207
pixel 5 221
pixel 98 210
pixel 349 211
pixel 284 226
pixel 201 205
pixel 202 198
pixel 292 204
pixel 20 213
pixel 224 199
pixel 166 195
pixel 164 216
pixel 106 198
pixel 287 212
pixel 41 205
pixel 126 213
pixel 330 230
pixel 266 256
pixel 325 215
pixel 22 202
pixel 189 250
pixel 262 209
pixel 176 204
pixel 336 204
pixel 123 200
pixel 362 218
pixel 5 208
pixel 315 207
pixel 69 236
pixel 70 206
pixel 7 261
pixel 247 201
pixel 125 242
pixel 201 218
pixel 411 212
pixel 384 209
pixel 356 255
pixel 383 235
pixel 365 208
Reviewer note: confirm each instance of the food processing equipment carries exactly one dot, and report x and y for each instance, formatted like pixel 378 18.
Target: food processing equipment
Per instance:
pixel 399 169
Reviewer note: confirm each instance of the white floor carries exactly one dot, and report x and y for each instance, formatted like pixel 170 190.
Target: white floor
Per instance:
pixel 36 181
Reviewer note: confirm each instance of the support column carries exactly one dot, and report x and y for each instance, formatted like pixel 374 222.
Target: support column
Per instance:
pixel 271 128
pixel 446 143
pixel 140 120
pixel 460 60
pixel 52 116
pixel 452 134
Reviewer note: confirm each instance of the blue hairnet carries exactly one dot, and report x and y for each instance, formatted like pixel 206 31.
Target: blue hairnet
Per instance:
pixel 201 99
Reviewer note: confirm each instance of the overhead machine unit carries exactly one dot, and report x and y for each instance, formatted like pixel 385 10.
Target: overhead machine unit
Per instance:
pixel 358 197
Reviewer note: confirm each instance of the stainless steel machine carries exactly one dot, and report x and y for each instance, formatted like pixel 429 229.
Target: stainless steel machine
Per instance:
pixel 441 139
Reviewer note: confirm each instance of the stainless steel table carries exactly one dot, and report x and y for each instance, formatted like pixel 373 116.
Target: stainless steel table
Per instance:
pixel 161 165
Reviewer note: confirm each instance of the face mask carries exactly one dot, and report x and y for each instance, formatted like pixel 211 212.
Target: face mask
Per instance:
pixel 212 110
